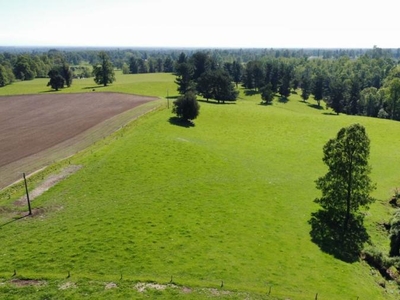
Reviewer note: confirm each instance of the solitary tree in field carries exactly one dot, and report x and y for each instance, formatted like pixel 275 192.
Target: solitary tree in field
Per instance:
pixel 57 81
pixel 186 106
pixel 345 190
pixel 104 71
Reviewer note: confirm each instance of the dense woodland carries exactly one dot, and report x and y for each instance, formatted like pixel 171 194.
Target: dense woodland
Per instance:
pixel 352 81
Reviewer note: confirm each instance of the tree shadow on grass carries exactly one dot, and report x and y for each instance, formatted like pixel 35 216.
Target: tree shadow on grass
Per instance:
pixel 283 99
pixel 49 91
pixel 315 106
pixel 181 122
pixel 93 87
pixel 14 220
pixel 327 232
pixel 330 114
pixel 210 101
pixel 251 92
pixel 263 103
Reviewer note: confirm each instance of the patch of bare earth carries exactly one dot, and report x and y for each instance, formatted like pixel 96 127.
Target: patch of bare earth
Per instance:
pixel 49 182
pixel 36 130
pixel 111 285
pixel 67 285
pixel 28 282
pixel 143 286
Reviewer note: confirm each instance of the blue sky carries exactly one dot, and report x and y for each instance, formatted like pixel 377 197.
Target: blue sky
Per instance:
pixel 205 23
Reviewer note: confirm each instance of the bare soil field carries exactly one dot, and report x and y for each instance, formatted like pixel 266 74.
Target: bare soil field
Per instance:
pixel 34 128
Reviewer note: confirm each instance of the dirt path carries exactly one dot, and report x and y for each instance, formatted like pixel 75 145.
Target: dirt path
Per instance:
pixel 49 182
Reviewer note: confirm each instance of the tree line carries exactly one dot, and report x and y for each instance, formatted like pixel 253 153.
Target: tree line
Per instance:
pixel 352 81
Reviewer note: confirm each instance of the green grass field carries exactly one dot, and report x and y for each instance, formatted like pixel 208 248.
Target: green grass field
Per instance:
pixel 152 84
pixel 228 199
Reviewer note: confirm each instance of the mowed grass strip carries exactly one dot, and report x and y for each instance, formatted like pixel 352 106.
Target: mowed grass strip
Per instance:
pixel 228 199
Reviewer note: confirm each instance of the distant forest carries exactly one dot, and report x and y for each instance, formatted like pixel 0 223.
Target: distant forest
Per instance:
pixel 352 81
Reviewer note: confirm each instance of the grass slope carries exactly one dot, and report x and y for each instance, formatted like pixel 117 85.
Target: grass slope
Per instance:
pixel 228 199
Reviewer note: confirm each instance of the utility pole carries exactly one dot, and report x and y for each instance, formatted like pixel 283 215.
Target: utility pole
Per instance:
pixel 27 195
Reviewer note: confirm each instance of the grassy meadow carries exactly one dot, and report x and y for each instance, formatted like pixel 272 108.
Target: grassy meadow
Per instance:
pixel 226 200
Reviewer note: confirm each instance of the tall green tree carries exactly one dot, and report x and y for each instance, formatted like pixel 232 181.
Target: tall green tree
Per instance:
pixel 6 76
pixel 184 73
pixel 345 189
pixel 217 85
pixel 104 71
pixel 393 99
pixel 267 94
pixel 57 81
pixel 186 106
pixel 66 73
pixel 23 68
pixel 201 63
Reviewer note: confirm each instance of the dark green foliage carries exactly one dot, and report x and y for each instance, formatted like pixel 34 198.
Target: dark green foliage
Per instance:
pixel 186 106
pixel 394 99
pixel 57 81
pixel 184 73
pixel 267 95
pixel 168 65
pixel 201 63
pixel 6 76
pixel 370 102
pixel 66 73
pixel 318 87
pixel 305 84
pixel 59 76
pixel 253 76
pixel 133 65
pixel 217 85
pixel 286 70
pixel 395 234
pixel 23 68
pixel 345 189
pixel 338 91
pixel 104 71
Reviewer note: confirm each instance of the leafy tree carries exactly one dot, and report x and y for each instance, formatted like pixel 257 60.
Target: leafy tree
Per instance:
pixel 133 65
pixel 286 78
pixel 306 85
pixel 201 63
pixel 57 81
pixel 168 65
pixel 66 73
pixel 267 94
pixel 394 99
pixel 143 66
pixel 6 76
pixel 184 73
pixel 186 106
pixel 370 102
pixel 125 68
pixel 104 71
pixel 318 87
pixel 23 68
pixel 345 188
pixel 337 94
pixel 217 85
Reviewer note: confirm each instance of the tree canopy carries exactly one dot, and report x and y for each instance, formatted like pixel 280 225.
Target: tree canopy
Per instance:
pixel 186 106
pixel 345 188
pixel 104 71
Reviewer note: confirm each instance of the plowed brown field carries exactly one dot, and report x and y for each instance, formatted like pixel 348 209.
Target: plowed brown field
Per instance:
pixel 30 125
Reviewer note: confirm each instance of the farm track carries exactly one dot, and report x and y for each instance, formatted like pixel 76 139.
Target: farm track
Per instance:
pixel 36 130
